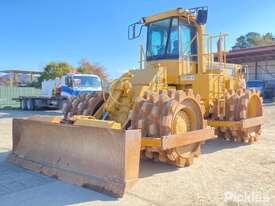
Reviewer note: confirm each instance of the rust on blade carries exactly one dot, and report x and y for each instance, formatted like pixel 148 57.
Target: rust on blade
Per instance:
pixel 178 140
pixel 106 160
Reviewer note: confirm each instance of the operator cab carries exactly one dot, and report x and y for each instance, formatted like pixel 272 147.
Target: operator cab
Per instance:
pixel 175 40
pixel 171 38
pixel 172 34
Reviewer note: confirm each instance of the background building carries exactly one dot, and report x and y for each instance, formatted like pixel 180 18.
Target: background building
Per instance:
pixel 20 78
pixel 260 62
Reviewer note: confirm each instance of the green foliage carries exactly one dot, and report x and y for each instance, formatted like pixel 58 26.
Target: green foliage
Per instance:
pixel 87 67
pixel 253 39
pixel 55 70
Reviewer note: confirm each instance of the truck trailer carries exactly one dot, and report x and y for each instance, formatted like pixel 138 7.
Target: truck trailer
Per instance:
pixel 55 92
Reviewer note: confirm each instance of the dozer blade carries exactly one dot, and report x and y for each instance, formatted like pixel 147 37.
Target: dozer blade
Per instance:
pixel 103 159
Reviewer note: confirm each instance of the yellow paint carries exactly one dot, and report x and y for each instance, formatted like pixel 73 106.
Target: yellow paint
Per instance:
pixel 82 117
pixel 150 142
pixel 254 107
pixel 182 123
pixel 98 123
pixel 223 123
pixel 56 120
pixel 175 12
pixel 207 78
pixel 201 57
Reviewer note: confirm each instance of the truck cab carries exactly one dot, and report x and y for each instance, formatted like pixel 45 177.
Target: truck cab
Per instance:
pixel 74 84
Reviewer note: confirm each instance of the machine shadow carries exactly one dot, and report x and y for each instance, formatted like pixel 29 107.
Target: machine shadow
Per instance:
pixel 149 167
pixel 20 184
pixel 219 144
pixel 61 193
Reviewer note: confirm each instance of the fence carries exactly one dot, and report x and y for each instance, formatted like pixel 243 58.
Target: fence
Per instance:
pixel 7 93
pixel 262 70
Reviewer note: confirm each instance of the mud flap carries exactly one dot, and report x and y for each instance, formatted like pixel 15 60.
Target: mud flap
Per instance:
pixel 106 160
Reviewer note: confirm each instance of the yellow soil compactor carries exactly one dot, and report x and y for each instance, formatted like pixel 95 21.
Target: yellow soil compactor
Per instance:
pixel 182 94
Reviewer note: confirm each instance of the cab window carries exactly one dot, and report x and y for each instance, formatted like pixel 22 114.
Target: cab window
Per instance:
pixel 173 43
pixel 68 81
pixel 171 38
pixel 188 41
pixel 157 38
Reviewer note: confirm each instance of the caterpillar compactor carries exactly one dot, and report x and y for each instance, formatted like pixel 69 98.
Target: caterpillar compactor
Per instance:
pixel 183 95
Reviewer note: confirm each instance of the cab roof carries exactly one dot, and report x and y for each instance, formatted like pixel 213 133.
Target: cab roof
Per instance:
pixel 179 12
pixel 89 75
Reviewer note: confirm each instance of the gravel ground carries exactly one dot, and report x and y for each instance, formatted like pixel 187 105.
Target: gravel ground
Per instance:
pixel 225 174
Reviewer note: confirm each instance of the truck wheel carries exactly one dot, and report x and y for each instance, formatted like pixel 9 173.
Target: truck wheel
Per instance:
pixel 62 104
pixel 23 104
pixel 30 104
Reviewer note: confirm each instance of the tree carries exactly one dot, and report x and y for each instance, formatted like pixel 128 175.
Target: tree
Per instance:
pixel 55 70
pixel 87 67
pixel 268 38
pixel 253 39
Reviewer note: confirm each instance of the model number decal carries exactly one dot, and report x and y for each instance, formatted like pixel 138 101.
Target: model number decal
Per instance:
pixel 189 77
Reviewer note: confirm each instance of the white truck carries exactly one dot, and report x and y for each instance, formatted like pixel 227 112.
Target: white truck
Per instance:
pixel 55 92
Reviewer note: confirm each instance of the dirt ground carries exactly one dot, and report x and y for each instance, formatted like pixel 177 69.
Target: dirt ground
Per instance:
pixel 226 173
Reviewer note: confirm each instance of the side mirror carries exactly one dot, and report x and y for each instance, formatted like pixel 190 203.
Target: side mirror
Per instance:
pixel 134 30
pixel 202 16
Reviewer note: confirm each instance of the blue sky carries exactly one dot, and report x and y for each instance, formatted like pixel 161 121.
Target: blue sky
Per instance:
pixel 34 32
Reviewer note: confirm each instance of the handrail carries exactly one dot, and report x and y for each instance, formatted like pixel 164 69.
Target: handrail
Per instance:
pixel 209 54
